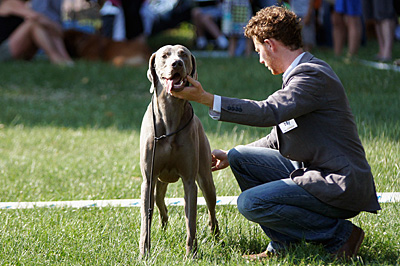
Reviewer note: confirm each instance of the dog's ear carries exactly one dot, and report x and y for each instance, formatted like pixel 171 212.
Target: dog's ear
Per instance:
pixel 151 72
pixel 194 68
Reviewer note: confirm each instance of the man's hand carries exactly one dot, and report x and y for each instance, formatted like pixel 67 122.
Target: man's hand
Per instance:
pixel 195 93
pixel 219 160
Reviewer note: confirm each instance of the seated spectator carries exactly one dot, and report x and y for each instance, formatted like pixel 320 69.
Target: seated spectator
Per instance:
pixel 205 19
pixel 49 8
pixel 23 31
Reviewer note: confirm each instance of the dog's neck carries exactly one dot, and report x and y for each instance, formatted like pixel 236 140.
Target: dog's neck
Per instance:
pixel 172 113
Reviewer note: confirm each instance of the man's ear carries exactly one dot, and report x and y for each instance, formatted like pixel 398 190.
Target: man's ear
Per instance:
pixel 151 72
pixel 271 44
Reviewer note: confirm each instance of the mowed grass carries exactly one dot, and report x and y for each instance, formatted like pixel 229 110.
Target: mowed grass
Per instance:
pixel 73 134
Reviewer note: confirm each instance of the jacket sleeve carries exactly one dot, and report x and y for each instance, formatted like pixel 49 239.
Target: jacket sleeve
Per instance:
pixel 302 94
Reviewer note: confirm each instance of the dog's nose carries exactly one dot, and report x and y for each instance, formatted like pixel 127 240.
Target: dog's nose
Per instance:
pixel 177 63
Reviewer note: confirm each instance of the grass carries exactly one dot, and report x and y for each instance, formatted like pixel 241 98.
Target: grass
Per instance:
pixel 73 134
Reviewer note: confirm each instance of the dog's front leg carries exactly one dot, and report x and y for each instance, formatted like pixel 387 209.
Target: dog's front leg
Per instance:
pixel 147 206
pixel 161 189
pixel 190 188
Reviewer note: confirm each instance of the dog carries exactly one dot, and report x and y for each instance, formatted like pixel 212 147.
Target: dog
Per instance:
pixel 94 47
pixel 183 153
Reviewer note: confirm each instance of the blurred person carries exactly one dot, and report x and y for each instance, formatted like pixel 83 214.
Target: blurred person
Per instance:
pixel 383 14
pixel 236 14
pixel 113 20
pixel 397 30
pixel 347 25
pixel 50 8
pixel 305 10
pixel 144 18
pixel 133 19
pixel 205 19
pixel 324 23
pixel 309 175
pixel 260 4
pixel 23 31
pixel 160 15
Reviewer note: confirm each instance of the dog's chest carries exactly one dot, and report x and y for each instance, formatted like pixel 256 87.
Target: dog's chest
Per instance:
pixel 170 153
pixel 169 175
pixel 169 164
pixel 171 158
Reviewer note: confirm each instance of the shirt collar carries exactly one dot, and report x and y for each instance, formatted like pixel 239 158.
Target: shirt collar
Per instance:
pixel 292 65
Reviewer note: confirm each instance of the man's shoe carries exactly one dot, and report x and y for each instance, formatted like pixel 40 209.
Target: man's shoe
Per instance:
pixel 353 244
pixel 264 255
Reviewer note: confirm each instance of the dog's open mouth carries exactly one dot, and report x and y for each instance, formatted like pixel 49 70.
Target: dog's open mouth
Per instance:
pixel 176 83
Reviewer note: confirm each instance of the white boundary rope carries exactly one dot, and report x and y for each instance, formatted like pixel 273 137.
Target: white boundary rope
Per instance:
pixel 379 65
pixel 385 197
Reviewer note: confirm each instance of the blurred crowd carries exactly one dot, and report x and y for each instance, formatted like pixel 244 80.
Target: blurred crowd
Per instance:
pixel 344 25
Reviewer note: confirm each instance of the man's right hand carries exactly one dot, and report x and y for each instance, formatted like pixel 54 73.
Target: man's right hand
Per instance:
pixel 195 93
pixel 219 160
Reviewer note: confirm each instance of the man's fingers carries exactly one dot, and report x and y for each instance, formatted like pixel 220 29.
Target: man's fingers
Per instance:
pixel 192 80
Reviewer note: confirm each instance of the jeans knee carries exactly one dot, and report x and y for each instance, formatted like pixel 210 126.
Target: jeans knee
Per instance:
pixel 255 209
pixel 234 155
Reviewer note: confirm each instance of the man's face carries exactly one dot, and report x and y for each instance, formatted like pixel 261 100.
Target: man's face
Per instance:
pixel 266 55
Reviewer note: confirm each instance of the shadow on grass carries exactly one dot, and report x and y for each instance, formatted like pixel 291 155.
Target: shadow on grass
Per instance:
pixel 85 95
pixel 98 95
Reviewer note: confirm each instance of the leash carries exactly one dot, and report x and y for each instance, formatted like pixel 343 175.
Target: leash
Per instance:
pixel 156 139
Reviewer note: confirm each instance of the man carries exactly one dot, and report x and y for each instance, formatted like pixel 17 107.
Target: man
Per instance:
pixel 310 174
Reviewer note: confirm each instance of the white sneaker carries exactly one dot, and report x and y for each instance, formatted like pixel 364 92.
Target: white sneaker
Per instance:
pixel 201 43
pixel 222 42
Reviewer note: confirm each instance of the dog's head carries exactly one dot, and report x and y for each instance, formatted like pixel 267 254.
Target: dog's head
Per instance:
pixel 169 66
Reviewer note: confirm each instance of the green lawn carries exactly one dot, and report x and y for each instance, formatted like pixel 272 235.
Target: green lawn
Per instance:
pixel 73 134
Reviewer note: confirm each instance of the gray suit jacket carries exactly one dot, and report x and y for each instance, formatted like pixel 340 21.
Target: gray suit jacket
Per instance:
pixel 325 140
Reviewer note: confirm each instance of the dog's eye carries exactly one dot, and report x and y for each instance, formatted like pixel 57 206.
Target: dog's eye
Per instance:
pixel 165 56
pixel 182 54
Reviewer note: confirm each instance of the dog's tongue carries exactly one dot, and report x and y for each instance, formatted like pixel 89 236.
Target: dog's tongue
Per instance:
pixel 170 85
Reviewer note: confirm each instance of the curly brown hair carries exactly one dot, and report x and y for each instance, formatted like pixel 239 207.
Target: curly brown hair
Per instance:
pixel 278 23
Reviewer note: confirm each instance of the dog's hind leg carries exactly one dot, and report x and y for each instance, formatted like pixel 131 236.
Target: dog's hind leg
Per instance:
pixel 161 189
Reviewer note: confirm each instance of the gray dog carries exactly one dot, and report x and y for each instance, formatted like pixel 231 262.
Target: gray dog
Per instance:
pixel 173 145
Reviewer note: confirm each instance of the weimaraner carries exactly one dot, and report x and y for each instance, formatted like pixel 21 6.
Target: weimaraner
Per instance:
pixel 184 154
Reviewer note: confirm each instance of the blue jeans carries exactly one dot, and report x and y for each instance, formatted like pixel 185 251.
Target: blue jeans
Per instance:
pixel 286 212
